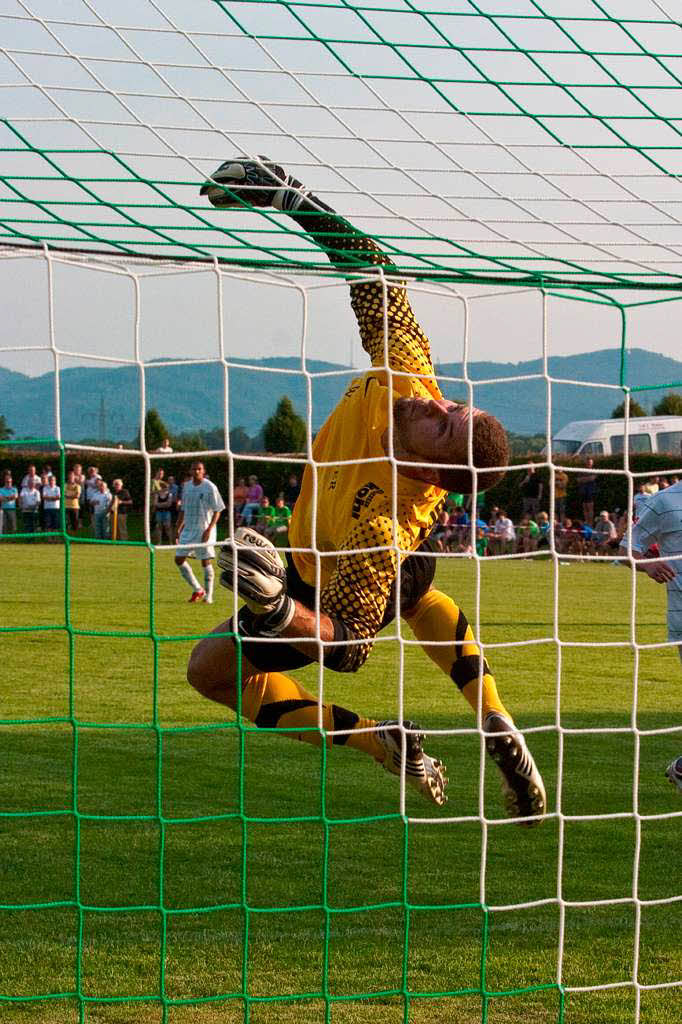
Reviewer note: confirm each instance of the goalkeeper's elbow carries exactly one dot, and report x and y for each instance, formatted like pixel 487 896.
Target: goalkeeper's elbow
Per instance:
pixel 347 653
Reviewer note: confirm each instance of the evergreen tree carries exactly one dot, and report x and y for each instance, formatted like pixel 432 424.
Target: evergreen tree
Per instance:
pixel 635 410
pixel 155 430
pixel 5 429
pixel 669 405
pixel 285 431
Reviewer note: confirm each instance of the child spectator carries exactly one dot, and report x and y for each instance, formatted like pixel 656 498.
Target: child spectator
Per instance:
pixel 560 492
pixel 504 534
pixel 263 521
pixel 279 525
pixel 604 533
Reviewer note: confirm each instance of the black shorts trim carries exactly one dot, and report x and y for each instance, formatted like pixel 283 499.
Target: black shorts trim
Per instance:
pixel 416 576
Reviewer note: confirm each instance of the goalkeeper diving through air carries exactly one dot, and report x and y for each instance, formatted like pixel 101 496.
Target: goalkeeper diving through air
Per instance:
pixel 351 548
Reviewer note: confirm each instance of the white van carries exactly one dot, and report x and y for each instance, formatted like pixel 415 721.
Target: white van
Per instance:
pixel 607 437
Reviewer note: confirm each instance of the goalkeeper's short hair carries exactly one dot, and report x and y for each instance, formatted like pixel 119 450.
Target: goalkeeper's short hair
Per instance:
pixel 490 454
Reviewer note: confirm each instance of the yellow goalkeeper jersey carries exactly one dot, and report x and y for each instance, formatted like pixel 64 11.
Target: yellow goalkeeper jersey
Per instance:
pixel 350 514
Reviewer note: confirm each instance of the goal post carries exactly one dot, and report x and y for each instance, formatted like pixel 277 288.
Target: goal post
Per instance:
pixel 519 162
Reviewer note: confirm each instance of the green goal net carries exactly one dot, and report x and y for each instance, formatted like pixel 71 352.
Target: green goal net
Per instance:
pixel 164 860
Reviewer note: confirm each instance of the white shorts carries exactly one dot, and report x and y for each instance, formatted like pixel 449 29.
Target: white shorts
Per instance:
pixel 192 547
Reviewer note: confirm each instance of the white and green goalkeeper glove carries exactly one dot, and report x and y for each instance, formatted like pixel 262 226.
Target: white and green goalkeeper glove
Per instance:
pixel 261 579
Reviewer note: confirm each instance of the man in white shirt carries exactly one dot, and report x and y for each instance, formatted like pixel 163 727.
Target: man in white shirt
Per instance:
pixel 504 532
pixel 197 521
pixel 51 498
pixel 100 503
pixel 660 523
pixel 29 500
pixel 31 478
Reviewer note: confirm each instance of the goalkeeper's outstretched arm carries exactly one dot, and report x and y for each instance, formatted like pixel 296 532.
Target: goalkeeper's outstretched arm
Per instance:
pixel 377 304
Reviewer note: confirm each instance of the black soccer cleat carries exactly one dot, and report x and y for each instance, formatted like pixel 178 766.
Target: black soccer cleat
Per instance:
pixel 425 774
pixel 522 785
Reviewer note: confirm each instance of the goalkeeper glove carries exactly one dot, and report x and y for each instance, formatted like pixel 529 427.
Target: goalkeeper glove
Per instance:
pixel 256 182
pixel 261 580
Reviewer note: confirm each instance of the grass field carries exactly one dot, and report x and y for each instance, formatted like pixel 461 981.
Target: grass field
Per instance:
pixel 335 894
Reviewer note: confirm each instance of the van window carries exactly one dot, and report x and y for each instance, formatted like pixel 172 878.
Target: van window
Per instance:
pixel 638 443
pixel 564 447
pixel 670 441
pixel 592 448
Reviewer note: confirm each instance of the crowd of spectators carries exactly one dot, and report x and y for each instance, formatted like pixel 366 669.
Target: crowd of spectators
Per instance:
pixel 90 504
pixel 33 505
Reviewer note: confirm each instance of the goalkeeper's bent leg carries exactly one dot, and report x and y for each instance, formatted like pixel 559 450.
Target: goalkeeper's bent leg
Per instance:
pixel 445 635
pixel 272 700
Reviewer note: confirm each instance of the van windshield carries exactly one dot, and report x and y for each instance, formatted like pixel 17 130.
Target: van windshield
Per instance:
pixel 564 447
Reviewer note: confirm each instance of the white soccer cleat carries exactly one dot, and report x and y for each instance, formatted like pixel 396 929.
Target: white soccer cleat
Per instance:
pixel 425 774
pixel 673 774
pixel 522 785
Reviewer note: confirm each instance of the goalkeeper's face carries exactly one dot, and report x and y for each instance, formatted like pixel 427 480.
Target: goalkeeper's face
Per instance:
pixel 432 431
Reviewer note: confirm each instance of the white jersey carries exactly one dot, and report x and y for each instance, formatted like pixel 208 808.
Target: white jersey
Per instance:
pixel 660 522
pixel 199 502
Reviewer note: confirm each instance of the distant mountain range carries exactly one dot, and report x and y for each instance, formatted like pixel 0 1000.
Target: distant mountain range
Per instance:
pixel 105 402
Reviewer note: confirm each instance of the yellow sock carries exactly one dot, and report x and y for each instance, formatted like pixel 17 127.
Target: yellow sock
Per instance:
pixel 437 618
pixel 272 700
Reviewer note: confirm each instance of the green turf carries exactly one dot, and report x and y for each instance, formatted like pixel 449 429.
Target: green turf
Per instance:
pixel 252 905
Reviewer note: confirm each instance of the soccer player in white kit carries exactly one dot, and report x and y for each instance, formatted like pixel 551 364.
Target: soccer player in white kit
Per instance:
pixel 196 530
pixel 660 522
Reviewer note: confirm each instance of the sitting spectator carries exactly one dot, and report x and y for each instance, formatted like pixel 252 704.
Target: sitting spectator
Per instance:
pixel 440 535
pixel 121 504
pixel 72 496
pixel 528 533
pixel 504 534
pixel 291 490
pixel 263 518
pixel 482 539
pixel 8 504
pixel 51 499
pixel 29 500
pixel 239 499
pixel 278 530
pixel 162 500
pixel 604 533
pixel 100 504
pixel 254 494
pixel 461 527
pixel 543 530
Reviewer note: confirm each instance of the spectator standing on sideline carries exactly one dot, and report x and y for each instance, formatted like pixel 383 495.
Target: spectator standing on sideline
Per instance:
pixel 92 478
pixel 72 495
pixel 291 490
pixel 51 501
pixel 560 492
pixel 162 514
pixel 8 504
pixel 587 488
pixel 254 493
pixel 531 493
pixel 165 448
pixel 100 504
pixel 201 508
pixel 173 490
pixel 121 503
pixel 31 478
pixel 29 500
pixel 79 478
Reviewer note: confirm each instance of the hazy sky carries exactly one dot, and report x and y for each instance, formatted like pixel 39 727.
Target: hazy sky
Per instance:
pixel 455 169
